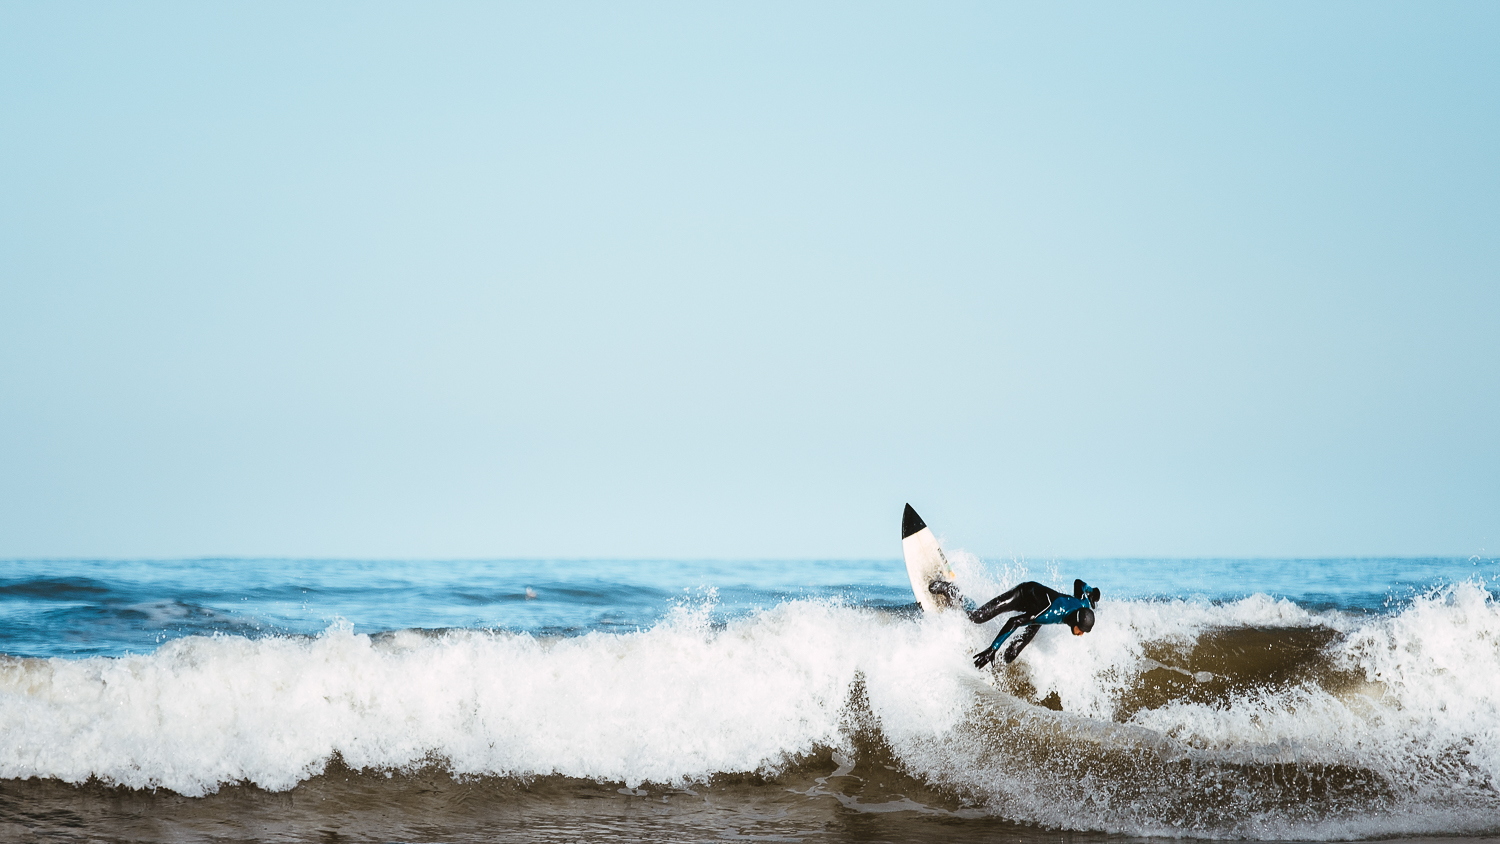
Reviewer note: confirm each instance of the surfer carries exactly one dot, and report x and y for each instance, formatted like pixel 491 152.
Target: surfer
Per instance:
pixel 1037 605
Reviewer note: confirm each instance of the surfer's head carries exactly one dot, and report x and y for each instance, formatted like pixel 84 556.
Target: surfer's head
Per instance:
pixel 1081 620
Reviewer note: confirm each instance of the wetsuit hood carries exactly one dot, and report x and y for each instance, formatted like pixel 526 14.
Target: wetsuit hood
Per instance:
pixel 1082 618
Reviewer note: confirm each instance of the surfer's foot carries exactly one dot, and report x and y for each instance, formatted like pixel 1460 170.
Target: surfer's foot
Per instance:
pixel 948 591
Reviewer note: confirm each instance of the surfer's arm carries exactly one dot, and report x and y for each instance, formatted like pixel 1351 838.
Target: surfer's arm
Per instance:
pixel 1082 590
pixel 986 656
pixel 1021 642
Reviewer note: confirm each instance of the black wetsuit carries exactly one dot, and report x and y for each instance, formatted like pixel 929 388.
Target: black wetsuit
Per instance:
pixel 1037 605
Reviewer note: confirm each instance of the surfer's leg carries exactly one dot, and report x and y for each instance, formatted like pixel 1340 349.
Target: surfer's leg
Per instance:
pixel 1021 642
pixel 1005 602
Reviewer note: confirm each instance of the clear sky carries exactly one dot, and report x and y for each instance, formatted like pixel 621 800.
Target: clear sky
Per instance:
pixel 741 279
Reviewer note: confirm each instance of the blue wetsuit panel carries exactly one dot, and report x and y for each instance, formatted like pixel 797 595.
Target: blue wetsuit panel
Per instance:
pixel 1061 607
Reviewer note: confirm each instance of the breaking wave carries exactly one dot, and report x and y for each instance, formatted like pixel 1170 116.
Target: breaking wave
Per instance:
pixel 1253 718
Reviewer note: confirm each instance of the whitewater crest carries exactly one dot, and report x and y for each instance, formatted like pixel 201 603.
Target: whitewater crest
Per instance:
pixel 1253 718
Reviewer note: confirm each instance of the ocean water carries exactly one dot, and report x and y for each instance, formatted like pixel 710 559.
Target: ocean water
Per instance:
pixel 601 700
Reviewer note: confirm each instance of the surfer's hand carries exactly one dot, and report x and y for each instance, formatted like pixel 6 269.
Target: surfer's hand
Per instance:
pixel 984 657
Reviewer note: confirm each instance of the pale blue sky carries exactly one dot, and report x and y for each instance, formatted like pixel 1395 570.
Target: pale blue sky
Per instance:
pixel 739 280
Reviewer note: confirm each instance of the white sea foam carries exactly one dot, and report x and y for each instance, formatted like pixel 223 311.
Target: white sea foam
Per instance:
pixel 685 700
pixel 675 702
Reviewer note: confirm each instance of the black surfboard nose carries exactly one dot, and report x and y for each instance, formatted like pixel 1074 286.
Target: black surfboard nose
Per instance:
pixel 911 522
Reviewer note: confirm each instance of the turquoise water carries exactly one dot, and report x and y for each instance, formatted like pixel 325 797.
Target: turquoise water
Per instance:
pixel 110 607
pixel 562 700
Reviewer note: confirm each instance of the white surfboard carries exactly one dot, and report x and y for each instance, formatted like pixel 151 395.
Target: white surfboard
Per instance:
pixel 924 561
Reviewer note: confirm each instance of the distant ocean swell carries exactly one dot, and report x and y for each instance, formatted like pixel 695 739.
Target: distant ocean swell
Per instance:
pixel 1253 718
